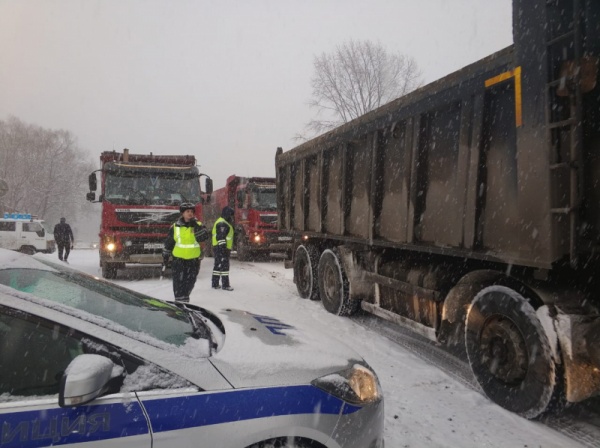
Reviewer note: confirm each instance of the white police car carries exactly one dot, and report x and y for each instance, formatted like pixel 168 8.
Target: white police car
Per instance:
pixel 87 363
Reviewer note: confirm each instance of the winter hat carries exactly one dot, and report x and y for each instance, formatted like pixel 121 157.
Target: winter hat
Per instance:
pixel 227 212
pixel 187 206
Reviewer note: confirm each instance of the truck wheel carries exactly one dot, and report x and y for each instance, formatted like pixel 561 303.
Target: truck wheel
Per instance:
pixel 334 288
pixel 305 271
pixel 509 352
pixel 109 271
pixel 28 250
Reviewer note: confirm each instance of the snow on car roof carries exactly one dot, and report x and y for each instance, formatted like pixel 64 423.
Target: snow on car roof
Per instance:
pixel 12 259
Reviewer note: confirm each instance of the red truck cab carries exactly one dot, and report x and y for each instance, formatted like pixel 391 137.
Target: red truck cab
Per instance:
pixel 140 197
pixel 254 201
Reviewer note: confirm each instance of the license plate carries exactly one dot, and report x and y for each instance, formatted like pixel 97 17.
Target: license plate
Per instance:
pixel 153 245
pixel 284 238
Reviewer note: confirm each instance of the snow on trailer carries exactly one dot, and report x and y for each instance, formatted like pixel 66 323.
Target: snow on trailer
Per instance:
pixel 470 209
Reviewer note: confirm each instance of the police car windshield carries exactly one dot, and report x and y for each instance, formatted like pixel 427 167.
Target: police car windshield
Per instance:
pixel 129 309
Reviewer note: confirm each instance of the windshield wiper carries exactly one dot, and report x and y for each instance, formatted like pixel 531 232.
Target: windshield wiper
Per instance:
pixel 199 331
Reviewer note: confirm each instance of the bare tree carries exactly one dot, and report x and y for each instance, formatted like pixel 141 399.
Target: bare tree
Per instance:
pixel 356 78
pixel 45 170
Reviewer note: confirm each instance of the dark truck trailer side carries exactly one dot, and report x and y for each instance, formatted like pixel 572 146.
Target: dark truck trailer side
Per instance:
pixel 470 210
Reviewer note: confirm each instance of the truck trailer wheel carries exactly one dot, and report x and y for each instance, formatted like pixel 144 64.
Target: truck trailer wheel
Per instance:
pixel 334 288
pixel 109 271
pixel 509 352
pixel 305 271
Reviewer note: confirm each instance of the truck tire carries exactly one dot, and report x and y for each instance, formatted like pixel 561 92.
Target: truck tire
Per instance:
pixel 334 288
pixel 109 271
pixel 305 271
pixel 509 352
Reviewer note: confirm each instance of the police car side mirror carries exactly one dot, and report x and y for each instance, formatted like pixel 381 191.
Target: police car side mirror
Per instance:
pixel 84 380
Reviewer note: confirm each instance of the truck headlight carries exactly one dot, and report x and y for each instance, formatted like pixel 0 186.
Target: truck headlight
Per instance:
pixel 257 238
pixel 356 385
pixel 111 247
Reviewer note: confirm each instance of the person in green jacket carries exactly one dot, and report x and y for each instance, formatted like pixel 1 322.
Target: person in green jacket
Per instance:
pixel 183 244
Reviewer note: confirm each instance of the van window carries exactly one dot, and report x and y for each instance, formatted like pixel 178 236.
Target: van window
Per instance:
pixel 7 226
pixel 34 227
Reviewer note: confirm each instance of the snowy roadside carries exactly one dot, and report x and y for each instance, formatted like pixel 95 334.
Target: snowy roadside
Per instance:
pixel 424 407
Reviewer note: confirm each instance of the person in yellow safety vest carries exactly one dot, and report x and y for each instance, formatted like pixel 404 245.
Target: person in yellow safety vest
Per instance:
pixel 183 244
pixel 222 242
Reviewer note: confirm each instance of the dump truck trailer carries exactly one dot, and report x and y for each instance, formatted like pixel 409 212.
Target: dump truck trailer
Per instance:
pixel 469 210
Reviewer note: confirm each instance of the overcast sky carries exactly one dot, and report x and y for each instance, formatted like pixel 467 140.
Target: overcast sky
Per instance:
pixel 225 80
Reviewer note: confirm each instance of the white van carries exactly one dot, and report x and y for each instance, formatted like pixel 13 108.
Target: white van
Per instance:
pixel 23 233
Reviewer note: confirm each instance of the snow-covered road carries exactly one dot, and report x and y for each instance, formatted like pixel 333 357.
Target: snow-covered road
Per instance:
pixel 424 406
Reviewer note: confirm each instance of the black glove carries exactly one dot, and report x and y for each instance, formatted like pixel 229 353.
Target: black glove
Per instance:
pixel 166 256
pixel 201 233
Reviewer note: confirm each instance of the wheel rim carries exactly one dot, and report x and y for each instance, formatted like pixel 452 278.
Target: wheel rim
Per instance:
pixel 503 350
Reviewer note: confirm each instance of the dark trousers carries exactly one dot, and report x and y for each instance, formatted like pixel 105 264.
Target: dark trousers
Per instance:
pixel 221 269
pixel 63 246
pixel 184 276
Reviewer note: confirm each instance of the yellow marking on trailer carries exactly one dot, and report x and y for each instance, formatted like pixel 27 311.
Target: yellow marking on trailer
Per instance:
pixel 516 74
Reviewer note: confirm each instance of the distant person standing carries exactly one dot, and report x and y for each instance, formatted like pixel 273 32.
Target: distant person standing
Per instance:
pixel 63 235
pixel 183 244
pixel 222 242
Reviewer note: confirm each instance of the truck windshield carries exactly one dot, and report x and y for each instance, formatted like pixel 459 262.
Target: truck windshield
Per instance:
pixel 263 199
pixel 156 188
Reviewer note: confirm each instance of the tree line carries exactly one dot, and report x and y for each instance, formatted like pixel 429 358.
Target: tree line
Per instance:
pixel 45 170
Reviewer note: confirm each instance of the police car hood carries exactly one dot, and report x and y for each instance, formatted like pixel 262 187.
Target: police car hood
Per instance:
pixel 264 351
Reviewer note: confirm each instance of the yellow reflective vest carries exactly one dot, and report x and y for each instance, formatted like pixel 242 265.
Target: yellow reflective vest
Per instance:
pixel 228 238
pixel 186 246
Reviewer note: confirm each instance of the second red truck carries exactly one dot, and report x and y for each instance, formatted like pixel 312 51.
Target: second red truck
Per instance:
pixel 255 203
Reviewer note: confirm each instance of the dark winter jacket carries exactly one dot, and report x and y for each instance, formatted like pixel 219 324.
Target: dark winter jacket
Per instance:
pixel 63 234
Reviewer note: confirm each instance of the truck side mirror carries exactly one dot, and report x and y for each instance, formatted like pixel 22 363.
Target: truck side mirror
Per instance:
pixel 209 185
pixel 93 182
pixel 91 196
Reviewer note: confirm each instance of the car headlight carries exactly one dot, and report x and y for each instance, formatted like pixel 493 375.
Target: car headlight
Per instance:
pixel 356 385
